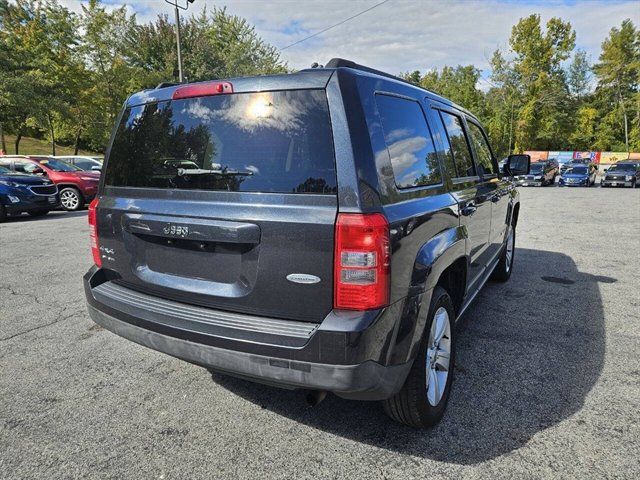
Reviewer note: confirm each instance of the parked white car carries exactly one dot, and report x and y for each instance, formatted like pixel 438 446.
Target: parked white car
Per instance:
pixel 85 163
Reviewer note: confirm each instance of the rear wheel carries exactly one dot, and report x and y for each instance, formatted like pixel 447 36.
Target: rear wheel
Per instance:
pixel 502 272
pixel 423 398
pixel 39 213
pixel 71 199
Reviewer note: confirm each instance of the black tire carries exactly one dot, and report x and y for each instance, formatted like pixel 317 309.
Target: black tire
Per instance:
pixel 66 199
pixel 410 405
pixel 3 213
pixel 503 269
pixel 39 213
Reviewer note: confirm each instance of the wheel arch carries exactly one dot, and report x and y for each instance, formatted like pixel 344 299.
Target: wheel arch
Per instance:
pixel 441 259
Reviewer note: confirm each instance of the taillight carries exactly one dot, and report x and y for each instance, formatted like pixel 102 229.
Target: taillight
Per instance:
pixel 202 90
pixel 93 232
pixel 361 262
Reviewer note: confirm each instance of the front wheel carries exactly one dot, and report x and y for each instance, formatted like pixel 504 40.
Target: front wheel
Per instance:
pixel 71 199
pixel 423 398
pixel 502 272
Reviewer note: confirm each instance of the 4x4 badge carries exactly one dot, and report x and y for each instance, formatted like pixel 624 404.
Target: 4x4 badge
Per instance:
pixel 302 278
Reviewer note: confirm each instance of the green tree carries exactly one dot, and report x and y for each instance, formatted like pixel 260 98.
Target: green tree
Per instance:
pixel 579 77
pixel 105 49
pixel 583 136
pixel 214 45
pixel 618 76
pixel 544 120
pixel 39 67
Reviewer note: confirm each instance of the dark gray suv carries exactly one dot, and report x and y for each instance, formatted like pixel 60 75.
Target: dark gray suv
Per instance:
pixel 320 230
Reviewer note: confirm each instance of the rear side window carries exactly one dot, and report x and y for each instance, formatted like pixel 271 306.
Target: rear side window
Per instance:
pixel 246 142
pixel 456 145
pixel 483 153
pixel 84 164
pixel 411 149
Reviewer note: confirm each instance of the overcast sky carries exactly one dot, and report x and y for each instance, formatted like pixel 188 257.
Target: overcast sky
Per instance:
pixel 402 35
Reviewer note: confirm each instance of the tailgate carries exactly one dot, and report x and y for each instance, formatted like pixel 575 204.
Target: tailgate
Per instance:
pixel 232 255
pixel 225 201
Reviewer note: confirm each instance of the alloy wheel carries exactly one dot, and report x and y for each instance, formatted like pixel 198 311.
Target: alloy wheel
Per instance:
pixel 438 356
pixel 69 200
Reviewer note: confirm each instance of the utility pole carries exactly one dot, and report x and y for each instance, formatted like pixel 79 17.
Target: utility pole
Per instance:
pixel 177 6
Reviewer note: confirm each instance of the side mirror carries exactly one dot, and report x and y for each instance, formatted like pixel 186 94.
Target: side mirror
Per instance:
pixel 517 165
pixel 605 169
pixel 38 171
pixel 96 168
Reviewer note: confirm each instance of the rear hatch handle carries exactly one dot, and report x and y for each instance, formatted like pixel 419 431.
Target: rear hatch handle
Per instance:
pixel 191 228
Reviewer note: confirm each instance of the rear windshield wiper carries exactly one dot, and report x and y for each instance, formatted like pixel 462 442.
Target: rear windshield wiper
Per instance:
pixel 218 171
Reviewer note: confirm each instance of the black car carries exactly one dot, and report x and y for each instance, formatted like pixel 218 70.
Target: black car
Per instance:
pixel 338 223
pixel 542 173
pixel 26 193
pixel 579 175
pixel 622 174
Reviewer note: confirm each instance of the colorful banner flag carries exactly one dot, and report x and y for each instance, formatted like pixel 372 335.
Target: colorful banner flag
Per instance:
pixel 608 158
pixel 537 155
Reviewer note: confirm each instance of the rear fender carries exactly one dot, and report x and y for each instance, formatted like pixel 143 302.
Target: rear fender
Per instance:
pixel 433 258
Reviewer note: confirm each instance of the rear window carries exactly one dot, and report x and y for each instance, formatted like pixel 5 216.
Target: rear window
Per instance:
pixel 244 142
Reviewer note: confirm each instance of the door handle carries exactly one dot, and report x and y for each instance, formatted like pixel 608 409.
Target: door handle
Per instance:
pixel 469 210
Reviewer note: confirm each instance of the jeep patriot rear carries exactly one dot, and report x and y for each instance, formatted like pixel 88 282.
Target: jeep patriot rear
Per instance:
pixel 319 230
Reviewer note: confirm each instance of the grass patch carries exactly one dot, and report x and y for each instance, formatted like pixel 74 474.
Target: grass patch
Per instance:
pixel 34 146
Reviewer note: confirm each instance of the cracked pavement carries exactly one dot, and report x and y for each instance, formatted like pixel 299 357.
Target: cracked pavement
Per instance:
pixel 547 375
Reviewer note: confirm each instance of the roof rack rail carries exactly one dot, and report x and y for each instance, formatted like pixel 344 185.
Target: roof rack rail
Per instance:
pixel 341 62
pixel 167 84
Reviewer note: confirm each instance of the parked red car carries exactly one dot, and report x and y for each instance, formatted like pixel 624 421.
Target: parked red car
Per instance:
pixel 76 186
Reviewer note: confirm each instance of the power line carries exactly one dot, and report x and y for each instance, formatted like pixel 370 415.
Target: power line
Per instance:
pixel 335 25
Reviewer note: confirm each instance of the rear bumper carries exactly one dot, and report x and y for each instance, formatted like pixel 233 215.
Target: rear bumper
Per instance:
pixel 529 183
pixel 303 355
pixel 616 183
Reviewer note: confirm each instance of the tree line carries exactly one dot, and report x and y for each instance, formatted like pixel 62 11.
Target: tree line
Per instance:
pixel 544 94
pixel 64 76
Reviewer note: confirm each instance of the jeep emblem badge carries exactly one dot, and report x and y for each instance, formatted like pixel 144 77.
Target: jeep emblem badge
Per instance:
pixel 302 278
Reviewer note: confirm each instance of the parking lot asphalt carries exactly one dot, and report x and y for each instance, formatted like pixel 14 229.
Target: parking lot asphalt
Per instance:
pixel 547 378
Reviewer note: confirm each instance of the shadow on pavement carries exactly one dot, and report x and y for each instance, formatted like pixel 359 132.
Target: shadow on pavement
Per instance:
pixel 529 351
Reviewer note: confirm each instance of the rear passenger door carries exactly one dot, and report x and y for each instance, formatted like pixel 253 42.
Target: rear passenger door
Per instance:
pixel 496 188
pixel 467 188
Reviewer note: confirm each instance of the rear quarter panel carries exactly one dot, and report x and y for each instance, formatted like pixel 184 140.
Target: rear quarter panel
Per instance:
pixel 425 233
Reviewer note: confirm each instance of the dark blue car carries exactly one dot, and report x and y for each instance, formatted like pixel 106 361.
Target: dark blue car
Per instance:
pixel 579 175
pixel 26 193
